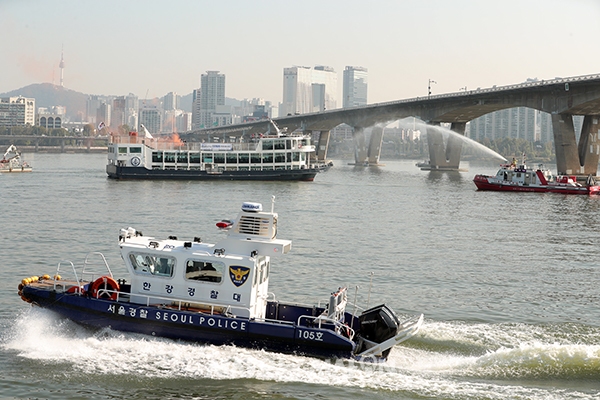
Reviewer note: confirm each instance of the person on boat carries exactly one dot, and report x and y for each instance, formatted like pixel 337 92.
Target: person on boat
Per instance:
pixel 514 162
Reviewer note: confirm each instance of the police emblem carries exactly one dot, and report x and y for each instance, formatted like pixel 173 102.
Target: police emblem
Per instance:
pixel 238 275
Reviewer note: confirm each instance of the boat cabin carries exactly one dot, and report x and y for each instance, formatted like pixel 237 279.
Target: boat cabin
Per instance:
pixel 260 153
pixel 231 276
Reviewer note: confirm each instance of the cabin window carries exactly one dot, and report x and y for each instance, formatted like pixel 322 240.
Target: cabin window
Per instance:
pixel 255 158
pixel 182 158
pixel 268 158
pixel 137 150
pixel 157 156
pixel 267 145
pixel 194 158
pixel 145 263
pixel 122 150
pixel 232 158
pixel 202 270
pixel 279 145
pixel 295 156
pixel 244 158
pixel 219 158
pixel 169 157
pixel 279 157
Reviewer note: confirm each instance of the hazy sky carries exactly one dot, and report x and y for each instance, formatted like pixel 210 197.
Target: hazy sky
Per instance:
pixel 116 47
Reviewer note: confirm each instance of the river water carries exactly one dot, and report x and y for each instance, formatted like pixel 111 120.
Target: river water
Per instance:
pixel 508 283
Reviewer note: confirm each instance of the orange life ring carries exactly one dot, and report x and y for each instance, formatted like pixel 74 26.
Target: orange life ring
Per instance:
pixel 104 287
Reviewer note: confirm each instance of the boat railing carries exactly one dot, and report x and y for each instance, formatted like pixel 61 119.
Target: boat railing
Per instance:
pixel 85 275
pixel 322 319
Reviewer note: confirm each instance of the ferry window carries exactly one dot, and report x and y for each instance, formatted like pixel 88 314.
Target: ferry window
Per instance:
pixel 232 158
pixel 206 271
pixel 195 158
pixel 279 144
pixel 152 264
pixel 182 158
pixel 122 150
pixel 244 158
pixel 219 158
pixel 255 158
pixel 288 157
pixel 268 145
pixel 268 158
pixel 157 156
pixel 137 150
pixel 288 144
pixel 279 157
pixel 296 156
pixel 169 157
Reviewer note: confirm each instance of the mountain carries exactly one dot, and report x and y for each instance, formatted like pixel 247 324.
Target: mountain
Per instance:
pixel 48 95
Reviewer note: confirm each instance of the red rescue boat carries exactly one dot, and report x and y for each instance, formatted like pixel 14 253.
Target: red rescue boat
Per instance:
pixel 520 178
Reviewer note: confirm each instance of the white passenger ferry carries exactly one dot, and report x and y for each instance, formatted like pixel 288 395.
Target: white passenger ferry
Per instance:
pixel 269 157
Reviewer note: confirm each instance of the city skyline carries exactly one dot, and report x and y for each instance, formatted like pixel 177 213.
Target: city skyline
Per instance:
pixel 151 48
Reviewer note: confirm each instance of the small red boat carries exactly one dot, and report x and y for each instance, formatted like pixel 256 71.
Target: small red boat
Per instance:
pixel 520 178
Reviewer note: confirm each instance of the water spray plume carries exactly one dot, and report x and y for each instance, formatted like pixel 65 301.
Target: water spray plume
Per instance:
pixel 416 124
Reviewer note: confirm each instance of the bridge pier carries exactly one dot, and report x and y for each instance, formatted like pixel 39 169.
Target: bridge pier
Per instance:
pixel 360 146
pixel 444 157
pixel 571 158
pixel 367 154
pixel 323 145
pixel 374 151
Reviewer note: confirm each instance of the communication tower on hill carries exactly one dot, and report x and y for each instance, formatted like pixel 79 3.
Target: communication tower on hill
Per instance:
pixel 62 67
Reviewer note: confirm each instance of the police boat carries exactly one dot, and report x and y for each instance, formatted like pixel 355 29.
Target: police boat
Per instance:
pixel 217 294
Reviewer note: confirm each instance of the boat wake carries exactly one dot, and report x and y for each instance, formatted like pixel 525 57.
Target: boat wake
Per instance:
pixel 448 359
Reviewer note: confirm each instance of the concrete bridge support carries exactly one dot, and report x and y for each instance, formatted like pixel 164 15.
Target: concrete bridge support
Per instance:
pixel 573 158
pixel 589 144
pixel 367 154
pixel 323 145
pixel 445 156
pixel 360 146
pixel 374 151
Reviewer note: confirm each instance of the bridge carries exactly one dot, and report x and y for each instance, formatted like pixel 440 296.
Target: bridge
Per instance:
pixel 63 142
pixel 562 98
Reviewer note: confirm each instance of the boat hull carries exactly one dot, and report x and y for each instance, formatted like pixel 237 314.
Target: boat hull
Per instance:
pixel 172 323
pixel 16 170
pixel 117 172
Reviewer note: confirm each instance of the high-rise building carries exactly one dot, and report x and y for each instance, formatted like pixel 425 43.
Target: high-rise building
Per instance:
pixel 171 101
pixel 518 122
pixel 15 111
pixel 104 113
pixel 207 99
pixel 355 87
pixel 307 89
pixel 151 118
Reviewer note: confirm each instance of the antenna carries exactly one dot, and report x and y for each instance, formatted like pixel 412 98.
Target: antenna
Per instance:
pixel 62 66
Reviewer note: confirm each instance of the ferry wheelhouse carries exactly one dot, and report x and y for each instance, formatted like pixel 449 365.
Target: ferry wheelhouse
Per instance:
pixel 276 156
